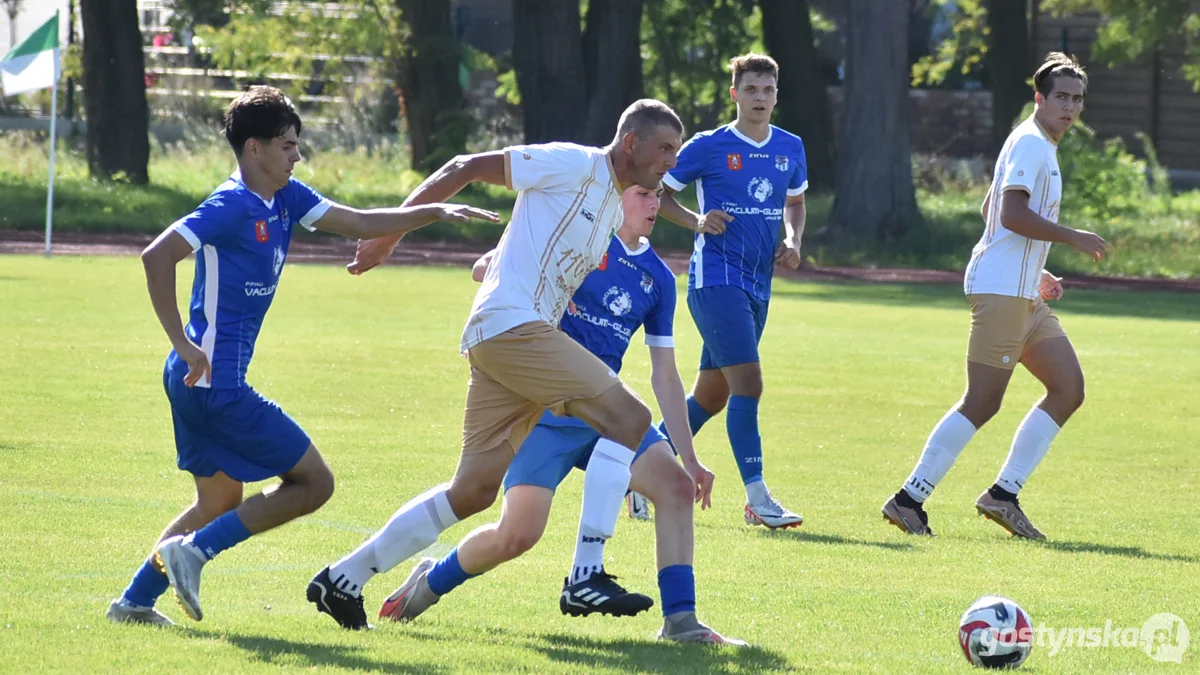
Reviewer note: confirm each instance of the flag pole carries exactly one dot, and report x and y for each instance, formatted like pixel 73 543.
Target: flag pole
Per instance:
pixel 53 143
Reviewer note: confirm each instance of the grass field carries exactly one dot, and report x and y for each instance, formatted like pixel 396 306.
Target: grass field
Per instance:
pixel 856 376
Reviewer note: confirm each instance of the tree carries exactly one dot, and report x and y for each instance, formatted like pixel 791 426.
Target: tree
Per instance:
pixel 803 98
pixel 574 83
pixel 118 119
pixel 1008 65
pixel 12 8
pixel 1133 29
pixel 875 196
pixel 433 105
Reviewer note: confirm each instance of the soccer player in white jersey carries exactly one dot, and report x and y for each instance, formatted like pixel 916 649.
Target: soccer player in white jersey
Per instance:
pixel 1010 320
pixel 226 433
pixel 568 207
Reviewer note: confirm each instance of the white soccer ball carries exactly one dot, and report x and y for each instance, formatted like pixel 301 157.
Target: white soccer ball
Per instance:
pixel 995 633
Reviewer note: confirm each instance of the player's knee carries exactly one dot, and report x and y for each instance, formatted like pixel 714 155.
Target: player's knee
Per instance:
pixel 1070 396
pixel 467 500
pixel 321 486
pixel 713 402
pixel 636 422
pixel 678 490
pixel 979 408
pixel 518 541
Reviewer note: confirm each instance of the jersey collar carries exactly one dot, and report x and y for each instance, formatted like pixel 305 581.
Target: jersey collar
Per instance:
pixel 770 133
pixel 236 177
pixel 643 246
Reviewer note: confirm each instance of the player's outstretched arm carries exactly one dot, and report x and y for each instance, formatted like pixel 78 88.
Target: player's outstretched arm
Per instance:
pixel 159 260
pixel 1016 216
pixel 480 268
pixel 712 222
pixel 668 389
pixel 441 186
pixel 375 223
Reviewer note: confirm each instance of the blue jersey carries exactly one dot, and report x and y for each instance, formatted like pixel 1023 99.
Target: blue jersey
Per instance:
pixel 629 290
pixel 751 182
pixel 241 242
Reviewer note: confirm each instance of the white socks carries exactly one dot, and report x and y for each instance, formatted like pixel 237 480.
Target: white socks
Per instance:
pixel 946 441
pixel 604 486
pixel 757 492
pixel 1029 446
pixel 412 529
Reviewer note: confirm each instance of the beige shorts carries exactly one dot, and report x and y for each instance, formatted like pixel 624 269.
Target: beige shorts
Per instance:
pixel 1003 326
pixel 517 375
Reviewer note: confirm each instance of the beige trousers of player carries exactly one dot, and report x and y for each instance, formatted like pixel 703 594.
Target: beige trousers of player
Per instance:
pixel 1003 326
pixel 517 375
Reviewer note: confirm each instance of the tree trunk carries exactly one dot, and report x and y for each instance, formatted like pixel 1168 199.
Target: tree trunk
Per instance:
pixel 875 197
pixel 1008 65
pixel 803 98
pixel 548 59
pixel 612 61
pixel 114 72
pixel 432 101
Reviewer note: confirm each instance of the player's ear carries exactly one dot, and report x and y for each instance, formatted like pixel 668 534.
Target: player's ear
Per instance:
pixel 628 141
pixel 733 94
pixel 1038 98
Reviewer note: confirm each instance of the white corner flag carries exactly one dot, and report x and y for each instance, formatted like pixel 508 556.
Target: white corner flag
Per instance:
pixel 33 65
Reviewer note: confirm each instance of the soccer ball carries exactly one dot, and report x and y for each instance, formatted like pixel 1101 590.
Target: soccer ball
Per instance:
pixel 995 633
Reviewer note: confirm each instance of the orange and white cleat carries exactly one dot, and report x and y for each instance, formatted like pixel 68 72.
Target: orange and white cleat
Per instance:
pixel 772 514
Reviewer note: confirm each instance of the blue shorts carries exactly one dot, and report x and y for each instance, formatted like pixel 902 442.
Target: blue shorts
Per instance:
pixel 553 448
pixel 234 431
pixel 730 321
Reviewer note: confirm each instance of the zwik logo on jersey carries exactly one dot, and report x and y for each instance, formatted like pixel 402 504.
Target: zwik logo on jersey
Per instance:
pixel 760 189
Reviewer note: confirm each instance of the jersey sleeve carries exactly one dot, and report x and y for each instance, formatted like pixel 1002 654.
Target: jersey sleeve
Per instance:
pixel 1026 159
pixel 213 218
pixel 660 323
pixel 799 182
pixel 305 205
pixel 549 166
pixel 688 165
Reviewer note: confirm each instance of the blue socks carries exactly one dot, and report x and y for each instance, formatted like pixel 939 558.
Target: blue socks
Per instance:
pixel 223 533
pixel 697 416
pixel 741 420
pixel 147 585
pixel 677 588
pixel 447 574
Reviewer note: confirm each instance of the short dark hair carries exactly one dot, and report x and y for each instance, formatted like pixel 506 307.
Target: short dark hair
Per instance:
pixel 646 114
pixel 1058 64
pixel 259 112
pixel 759 64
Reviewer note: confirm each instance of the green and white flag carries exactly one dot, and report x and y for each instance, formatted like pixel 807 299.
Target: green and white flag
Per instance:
pixel 33 64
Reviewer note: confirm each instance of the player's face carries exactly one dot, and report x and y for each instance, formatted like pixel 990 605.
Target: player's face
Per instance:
pixel 277 157
pixel 640 207
pixel 653 156
pixel 755 96
pixel 1058 111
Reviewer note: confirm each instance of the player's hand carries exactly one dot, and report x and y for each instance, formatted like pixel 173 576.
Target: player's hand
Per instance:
pixel 371 252
pixel 1051 287
pixel 704 482
pixel 713 222
pixel 1089 243
pixel 197 361
pixel 459 213
pixel 788 255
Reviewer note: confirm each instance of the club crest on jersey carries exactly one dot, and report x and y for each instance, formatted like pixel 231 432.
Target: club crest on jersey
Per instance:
pixel 734 160
pixel 260 231
pixel 647 283
pixel 760 189
pixel 278 262
pixel 781 162
pixel 617 301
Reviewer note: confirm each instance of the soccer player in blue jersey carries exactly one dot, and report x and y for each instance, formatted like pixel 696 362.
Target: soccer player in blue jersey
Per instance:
pixel 750 180
pixel 226 433
pixel 632 288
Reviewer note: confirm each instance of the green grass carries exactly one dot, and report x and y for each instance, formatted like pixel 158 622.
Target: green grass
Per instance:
pixel 1159 240
pixel 855 377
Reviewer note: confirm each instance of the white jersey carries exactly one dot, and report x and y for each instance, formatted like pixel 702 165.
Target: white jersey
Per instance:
pixel 1004 262
pixel 568 208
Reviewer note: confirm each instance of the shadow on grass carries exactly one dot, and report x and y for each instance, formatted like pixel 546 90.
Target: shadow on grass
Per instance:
pixel 1135 304
pixel 644 656
pixel 1122 551
pixel 814 538
pixel 283 652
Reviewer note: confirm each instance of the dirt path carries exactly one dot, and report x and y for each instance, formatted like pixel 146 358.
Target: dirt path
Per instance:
pixel 341 251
